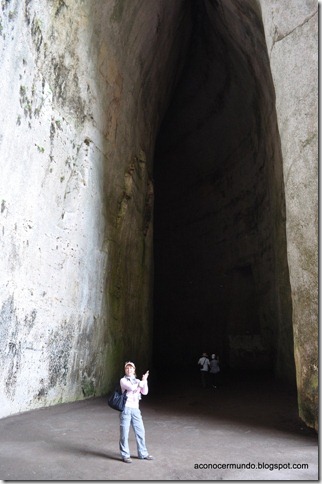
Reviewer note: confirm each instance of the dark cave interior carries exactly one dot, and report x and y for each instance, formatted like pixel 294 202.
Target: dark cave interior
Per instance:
pixel 220 268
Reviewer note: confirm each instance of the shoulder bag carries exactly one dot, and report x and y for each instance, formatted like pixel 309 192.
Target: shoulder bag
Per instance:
pixel 117 399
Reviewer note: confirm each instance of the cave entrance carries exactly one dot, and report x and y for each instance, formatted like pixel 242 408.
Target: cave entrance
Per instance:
pixel 221 280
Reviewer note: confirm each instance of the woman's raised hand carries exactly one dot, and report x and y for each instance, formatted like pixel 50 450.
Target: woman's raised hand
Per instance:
pixel 145 376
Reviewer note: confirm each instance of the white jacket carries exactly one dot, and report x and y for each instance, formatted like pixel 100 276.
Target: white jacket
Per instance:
pixel 134 388
pixel 204 362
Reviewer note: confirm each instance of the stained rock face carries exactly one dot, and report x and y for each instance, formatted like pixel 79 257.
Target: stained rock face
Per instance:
pixel 291 42
pixel 175 133
pixel 84 86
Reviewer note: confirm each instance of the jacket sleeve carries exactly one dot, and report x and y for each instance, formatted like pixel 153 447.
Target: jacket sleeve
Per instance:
pixel 143 385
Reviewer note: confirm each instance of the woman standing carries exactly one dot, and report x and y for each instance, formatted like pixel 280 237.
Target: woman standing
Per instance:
pixel 131 414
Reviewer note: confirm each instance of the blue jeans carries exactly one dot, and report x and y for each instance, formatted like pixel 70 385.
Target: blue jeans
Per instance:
pixel 132 416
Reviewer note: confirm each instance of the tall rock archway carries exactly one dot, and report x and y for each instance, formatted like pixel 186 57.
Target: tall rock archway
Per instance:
pixel 220 237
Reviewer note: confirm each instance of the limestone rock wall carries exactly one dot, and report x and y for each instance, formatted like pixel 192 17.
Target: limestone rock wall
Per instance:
pixel 82 93
pixel 292 41
pixel 84 88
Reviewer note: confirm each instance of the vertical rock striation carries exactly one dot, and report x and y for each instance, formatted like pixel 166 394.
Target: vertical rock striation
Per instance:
pixel 292 38
pixel 84 85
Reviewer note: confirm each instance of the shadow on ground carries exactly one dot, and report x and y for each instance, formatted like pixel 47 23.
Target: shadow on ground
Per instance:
pixel 245 429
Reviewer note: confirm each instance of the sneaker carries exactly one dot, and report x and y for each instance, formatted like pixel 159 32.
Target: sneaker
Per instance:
pixel 127 460
pixel 148 457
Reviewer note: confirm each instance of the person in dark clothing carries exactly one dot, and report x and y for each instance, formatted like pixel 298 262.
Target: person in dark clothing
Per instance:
pixel 214 370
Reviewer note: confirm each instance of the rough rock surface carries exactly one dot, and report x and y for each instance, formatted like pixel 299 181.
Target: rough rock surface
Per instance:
pixel 82 97
pixel 85 87
pixel 292 35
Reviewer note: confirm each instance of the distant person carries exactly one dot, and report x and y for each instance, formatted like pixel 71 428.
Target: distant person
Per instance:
pixel 203 363
pixel 214 370
pixel 131 414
